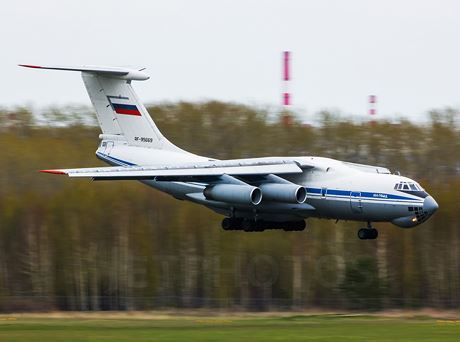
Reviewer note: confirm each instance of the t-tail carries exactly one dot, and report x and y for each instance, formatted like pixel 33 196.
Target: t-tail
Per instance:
pixel 120 114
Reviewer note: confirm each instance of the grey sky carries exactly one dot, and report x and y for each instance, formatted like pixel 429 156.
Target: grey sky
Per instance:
pixel 405 51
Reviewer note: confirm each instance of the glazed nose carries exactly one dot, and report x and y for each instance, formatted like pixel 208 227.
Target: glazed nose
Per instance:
pixel 430 205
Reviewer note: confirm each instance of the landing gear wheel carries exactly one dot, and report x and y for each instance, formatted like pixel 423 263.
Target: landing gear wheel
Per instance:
pixel 230 223
pixel 227 224
pixel 248 226
pixel 294 226
pixel 301 225
pixel 368 234
pixel 374 234
pixel 362 234
pixel 258 226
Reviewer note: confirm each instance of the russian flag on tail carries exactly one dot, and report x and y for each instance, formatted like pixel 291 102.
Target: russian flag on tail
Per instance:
pixel 122 105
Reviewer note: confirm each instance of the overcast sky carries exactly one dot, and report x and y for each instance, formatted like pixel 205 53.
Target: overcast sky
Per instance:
pixel 407 52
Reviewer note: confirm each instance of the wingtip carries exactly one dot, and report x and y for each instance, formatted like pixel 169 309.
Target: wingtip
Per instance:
pixel 30 66
pixel 54 172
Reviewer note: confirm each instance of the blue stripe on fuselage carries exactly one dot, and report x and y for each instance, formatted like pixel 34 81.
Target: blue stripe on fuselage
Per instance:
pixel 114 160
pixel 364 194
pixel 338 192
pixel 313 190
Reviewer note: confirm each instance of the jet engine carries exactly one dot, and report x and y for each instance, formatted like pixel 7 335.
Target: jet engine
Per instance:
pixel 279 192
pixel 234 193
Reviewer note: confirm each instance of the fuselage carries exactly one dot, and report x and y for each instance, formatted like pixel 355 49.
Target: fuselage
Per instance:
pixel 335 189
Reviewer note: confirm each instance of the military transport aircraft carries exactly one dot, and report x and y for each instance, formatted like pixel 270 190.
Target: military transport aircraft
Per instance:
pixel 254 194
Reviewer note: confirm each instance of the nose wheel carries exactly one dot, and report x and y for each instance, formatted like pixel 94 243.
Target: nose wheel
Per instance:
pixel 369 233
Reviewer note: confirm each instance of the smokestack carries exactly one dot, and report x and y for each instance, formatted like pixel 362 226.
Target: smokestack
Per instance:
pixel 372 105
pixel 286 78
pixel 286 96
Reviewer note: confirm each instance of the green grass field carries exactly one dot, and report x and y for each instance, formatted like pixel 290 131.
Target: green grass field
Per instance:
pixel 253 328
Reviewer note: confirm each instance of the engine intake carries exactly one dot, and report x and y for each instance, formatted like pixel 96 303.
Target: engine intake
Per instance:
pixel 233 193
pixel 289 193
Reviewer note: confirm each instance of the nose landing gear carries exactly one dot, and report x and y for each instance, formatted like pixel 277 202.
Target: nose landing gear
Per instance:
pixel 368 233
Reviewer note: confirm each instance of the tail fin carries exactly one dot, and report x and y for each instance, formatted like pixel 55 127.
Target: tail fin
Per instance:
pixel 118 109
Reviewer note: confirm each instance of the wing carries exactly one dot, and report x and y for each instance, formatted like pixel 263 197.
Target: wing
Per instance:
pixel 184 172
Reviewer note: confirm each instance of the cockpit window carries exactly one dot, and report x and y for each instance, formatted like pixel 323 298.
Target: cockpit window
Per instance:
pixel 408 186
pixel 411 188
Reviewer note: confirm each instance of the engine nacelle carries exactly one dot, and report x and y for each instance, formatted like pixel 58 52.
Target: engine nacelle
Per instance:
pixel 280 192
pixel 234 193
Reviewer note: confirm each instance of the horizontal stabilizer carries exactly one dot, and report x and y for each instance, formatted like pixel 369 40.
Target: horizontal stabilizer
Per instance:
pixel 116 72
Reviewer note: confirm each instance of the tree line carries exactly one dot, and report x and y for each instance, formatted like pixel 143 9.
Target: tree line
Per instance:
pixel 79 245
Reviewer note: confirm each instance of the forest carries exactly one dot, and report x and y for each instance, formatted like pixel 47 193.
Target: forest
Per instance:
pixel 70 244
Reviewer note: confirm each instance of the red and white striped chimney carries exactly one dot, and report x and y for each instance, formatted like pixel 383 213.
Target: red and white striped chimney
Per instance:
pixel 286 79
pixel 372 105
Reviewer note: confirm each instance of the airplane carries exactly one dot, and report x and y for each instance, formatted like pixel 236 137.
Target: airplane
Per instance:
pixel 253 194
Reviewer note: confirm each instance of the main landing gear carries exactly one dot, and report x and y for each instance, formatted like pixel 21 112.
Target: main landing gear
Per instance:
pixel 260 225
pixel 368 233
